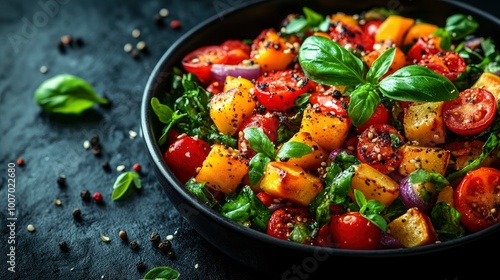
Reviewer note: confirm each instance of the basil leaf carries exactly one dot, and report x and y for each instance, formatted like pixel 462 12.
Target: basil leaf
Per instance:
pixel 363 102
pixel 380 66
pixel 123 182
pixel 423 176
pixel 163 112
pixel 200 191
pixel 161 272
pixel 296 25
pixel 459 26
pixel 259 141
pixel 257 165
pixel 293 150
pixel 446 40
pixel 419 84
pixel 66 94
pixel 326 62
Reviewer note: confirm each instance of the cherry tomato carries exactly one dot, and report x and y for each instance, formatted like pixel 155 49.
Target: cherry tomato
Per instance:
pixel 199 62
pixel 370 28
pixel 353 36
pixel 377 148
pixel 353 231
pixel 284 219
pixel 324 237
pixel 185 155
pixel 237 51
pixel 448 64
pixel 277 90
pixel 471 113
pixel 269 124
pixel 266 199
pixel 477 198
pixel 327 103
pixel 423 47
pixel 381 115
pixel 215 87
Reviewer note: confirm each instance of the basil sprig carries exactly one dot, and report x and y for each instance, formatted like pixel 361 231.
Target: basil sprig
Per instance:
pixel 266 152
pixel 66 94
pixel 122 184
pixel 325 61
pixel 161 272
pixel 457 27
pixel 310 20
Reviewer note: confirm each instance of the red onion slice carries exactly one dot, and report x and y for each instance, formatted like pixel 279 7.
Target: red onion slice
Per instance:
pixel 410 198
pixel 219 72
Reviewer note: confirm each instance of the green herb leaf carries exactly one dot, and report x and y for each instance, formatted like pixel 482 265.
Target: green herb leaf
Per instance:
pixel 459 26
pixel 161 272
pixel 257 167
pixel 163 112
pixel 380 66
pixel 418 84
pixel 293 150
pixel 422 176
pixel 123 182
pixel 325 61
pixel 371 209
pixel 363 102
pixel 200 191
pixel 66 94
pixel 446 221
pixel 259 141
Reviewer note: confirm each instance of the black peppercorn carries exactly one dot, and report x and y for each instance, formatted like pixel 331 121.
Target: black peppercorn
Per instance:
pixel 106 166
pixel 171 254
pixel 165 246
pixel 155 238
pixel 134 245
pixel 63 246
pixel 85 195
pixel 123 235
pixel 158 19
pixel 79 41
pixel 96 150
pixel 61 181
pixel 94 141
pixel 61 47
pixel 77 213
pixel 140 266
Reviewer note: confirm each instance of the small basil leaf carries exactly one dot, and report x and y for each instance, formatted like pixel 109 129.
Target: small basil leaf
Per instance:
pixel 66 94
pixel 380 66
pixel 258 165
pixel 459 26
pixel 259 141
pixel 293 150
pixel 163 112
pixel 325 61
pixel 161 272
pixel 313 18
pixel 446 40
pixel 296 25
pixel 363 102
pixel 423 176
pixel 418 84
pixel 123 183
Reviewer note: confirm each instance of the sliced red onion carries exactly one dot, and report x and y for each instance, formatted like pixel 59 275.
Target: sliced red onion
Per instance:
pixel 335 152
pixel 219 72
pixel 387 241
pixel 411 198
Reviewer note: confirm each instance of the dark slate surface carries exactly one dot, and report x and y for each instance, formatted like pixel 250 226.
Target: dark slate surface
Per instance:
pixel 52 146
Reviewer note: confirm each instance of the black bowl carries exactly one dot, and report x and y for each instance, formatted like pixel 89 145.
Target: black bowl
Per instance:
pixel 252 248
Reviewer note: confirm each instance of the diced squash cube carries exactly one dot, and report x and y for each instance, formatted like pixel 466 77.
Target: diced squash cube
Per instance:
pixel 286 181
pixel 419 30
pixel 431 159
pixel 223 169
pixel 413 229
pixel 230 108
pixel 272 52
pixel 424 124
pixel 489 82
pixel 310 161
pixel 398 62
pixel 346 19
pixel 393 29
pixel 446 195
pixel 328 130
pixel 471 151
pixel 374 184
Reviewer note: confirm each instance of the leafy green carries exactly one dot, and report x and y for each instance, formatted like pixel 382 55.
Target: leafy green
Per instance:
pixel 66 94
pixel 123 182
pixel 161 273
pixel 371 209
pixel 301 232
pixel 446 221
pixel 200 191
pixel 457 27
pixel 364 100
pixel 310 21
pixel 422 176
pixel 246 209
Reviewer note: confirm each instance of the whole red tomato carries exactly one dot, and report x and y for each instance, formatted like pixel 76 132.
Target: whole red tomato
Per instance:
pixel 353 231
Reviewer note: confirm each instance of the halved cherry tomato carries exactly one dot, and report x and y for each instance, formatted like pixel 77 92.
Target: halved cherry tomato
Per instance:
pixel 448 64
pixel 277 90
pixel 353 231
pixel 477 198
pixel 377 148
pixel 381 115
pixel 422 48
pixel 370 28
pixel 353 36
pixel 185 155
pixel 266 199
pixel 327 103
pixel 237 51
pixel 199 62
pixel 471 113
pixel 269 124
pixel 283 221
pixel 324 237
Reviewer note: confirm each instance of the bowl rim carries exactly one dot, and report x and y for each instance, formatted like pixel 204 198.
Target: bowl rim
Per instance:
pixel 156 158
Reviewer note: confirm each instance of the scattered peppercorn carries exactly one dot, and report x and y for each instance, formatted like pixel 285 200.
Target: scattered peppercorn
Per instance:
pixel 61 47
pixel 31 228
pixel 127 47
pixel 155 238
pixel 123 235
pixel 97 197
pixel 141 46
pixel 135 54
pixel 96 150
pixel 77 214
pixel 163 12
pixel 94 140
pixel 141 266
pixel 158 19
pixel 137 167
pixel 66 40
pixel 165 246
pixel 171 254
pixel 85 195
pixel 134 245
pixel 63 246
pixel 175 24
pixel 43 69
pixel 106 166
pixel 57 202
pixel 136 33
pixel 61 181
pixel 79 41
pixel 20 161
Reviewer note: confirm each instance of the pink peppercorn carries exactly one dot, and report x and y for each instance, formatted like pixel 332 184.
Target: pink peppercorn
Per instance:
pixel 137 167
pixel 174 24
pixel 97 197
